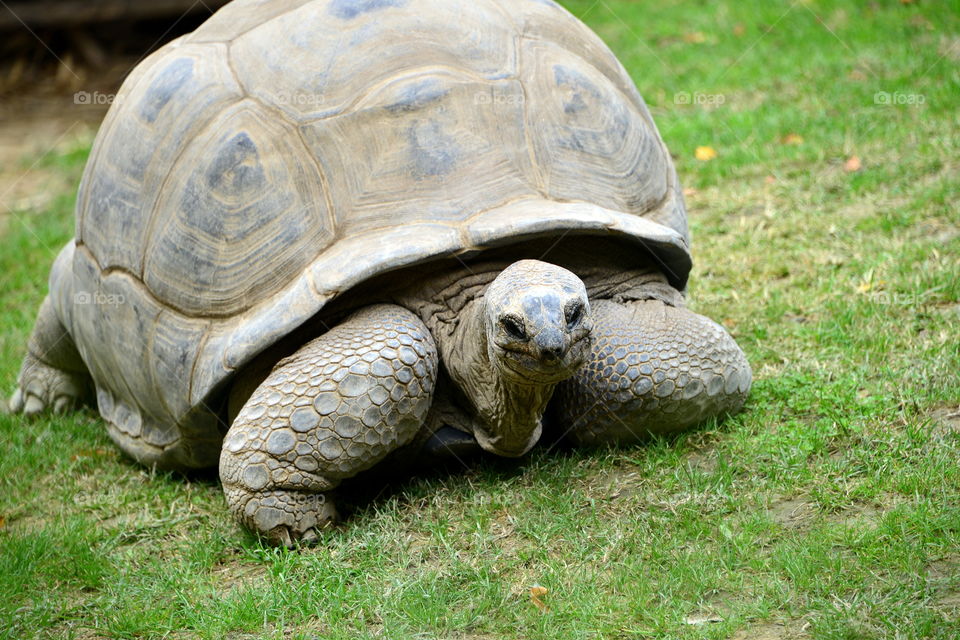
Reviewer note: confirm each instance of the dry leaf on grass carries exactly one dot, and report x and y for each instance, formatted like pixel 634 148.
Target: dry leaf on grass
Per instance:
pixel 868 284
pixel 852 164
pixel 792 139
pixel 694 37
pixel 705 153
pixel 536 597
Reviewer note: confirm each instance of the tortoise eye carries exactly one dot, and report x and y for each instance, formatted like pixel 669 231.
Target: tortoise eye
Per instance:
pixel 574 314
pixel 513 327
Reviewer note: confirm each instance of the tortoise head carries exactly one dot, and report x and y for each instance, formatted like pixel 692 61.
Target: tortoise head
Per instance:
pixel 536 317
pixel 537 322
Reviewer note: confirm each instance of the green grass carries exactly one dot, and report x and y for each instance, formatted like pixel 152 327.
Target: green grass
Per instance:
pixel 827 509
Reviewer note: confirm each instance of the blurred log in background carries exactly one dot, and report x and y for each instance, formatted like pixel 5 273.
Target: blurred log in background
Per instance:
pixel 61 62
pixel 58 47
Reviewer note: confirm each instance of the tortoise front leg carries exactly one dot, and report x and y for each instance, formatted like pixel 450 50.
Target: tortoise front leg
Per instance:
pixel 654 369
pixel 334 408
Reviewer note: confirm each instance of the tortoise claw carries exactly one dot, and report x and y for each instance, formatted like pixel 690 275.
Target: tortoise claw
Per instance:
pixel 309 537
pixel 62 404
pixel 33 406
pixel 283 517
pixel 285 537
pixel 42 387
pixel 16 402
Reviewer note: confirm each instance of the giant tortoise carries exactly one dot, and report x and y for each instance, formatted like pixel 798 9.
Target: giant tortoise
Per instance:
pixel 313 235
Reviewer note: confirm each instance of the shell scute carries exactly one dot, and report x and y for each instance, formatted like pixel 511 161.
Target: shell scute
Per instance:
pixel 311 66
pixel 159 108
pixel 243 211
pixel 591 144
pixel 433 157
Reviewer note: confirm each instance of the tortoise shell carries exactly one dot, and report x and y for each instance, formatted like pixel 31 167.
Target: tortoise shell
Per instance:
pixel 287 150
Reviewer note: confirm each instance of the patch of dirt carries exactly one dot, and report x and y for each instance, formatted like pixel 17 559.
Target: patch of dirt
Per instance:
pixel 792 513
pixel 772 631
pixel 705 461
pixel 714 608
pixel 613 485
pixel 946 420
pixel 944 569
pixel 799 512
pixel 949 605
pixel 703 451
pixel 941 580
pixel 949 48
pixel 23 525
pixel 236 574
pixel 862 514
pixel 73 630
pixel 937 230
pixel 951 309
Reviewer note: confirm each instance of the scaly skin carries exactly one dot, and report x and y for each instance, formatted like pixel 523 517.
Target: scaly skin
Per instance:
pixel 653 369
pixel 336 407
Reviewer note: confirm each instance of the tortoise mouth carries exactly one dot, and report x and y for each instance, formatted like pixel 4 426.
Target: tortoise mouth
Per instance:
pixel 521 367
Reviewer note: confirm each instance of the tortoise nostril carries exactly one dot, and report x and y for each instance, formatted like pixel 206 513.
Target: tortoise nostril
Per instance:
pixel 550 347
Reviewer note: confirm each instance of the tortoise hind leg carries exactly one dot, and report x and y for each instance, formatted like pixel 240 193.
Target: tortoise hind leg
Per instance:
pixel 334 408
pixel 654 369
pixel 53 375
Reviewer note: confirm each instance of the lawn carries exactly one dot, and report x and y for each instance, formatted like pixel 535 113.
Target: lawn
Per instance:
pixel 818 144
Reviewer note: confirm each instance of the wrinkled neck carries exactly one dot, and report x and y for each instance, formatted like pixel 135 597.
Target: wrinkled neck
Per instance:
pixel 509 412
